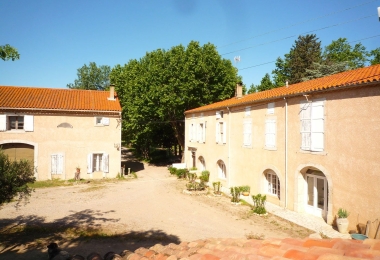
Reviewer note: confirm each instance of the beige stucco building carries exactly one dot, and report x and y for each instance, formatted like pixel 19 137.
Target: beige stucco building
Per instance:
pixel 61 129
pixel 311 147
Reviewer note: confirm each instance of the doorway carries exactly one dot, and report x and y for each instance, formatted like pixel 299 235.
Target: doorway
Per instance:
pixel 316 193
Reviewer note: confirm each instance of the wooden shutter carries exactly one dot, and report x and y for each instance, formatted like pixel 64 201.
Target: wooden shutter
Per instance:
pixel 317 126
pixel 217 133
pixel 247 132
pixel 224 132
pixel 305 125
pixel 89 163
pixel 60 161
pixel 105 162
pixel 3 122
pixel 270 133
pixel 28 123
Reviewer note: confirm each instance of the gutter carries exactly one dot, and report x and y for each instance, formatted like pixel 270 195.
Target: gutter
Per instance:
pixel 286 152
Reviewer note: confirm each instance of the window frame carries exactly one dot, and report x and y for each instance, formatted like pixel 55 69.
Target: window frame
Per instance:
pixel 270 130
pixel 221 132
pixel 101 165
pixel 57 168
pixel 247 133
pixel 273 185
pixel 5 123
pixel 222 170
pixel 312 125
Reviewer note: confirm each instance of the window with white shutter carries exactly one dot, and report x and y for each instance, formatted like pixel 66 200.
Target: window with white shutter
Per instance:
pixel 3 122
pixel 247 111
pixel 29 123
pixel 202 132
pixel 247 133
pixel 97 162
pixel 273 184
pixel 102 121
pixel 57 163
pixel 270 110
pixel 221 133
pixel 312 125
pixel 270 133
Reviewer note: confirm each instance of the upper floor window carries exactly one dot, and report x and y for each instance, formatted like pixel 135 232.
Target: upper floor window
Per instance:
pixel 202 132
pixel 16 122
pixel 270 110
pixel 312 125
pixel 221 133
pixel 270 133
pixel 247 111
pixel 219 114
pixel 247 132
pixel 101 121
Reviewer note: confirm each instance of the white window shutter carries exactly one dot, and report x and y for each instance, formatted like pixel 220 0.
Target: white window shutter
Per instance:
pixel 247 111
pixel 217 133
pixel 105 162
pixel 28 123
pixel 60 160
pixel 224 132
pixel 317 126
pixel 270 109
pixel 270 133
pixel 247 132
pixel 105 121
pixel 191 132
pixel 89 163
pixel 3 122
pixel 54 164
pixel 218 114
pixel 204 132
pixel 305 114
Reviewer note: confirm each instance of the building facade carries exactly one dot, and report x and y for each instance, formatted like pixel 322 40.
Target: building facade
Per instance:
pixel 59 130
pixel 310 147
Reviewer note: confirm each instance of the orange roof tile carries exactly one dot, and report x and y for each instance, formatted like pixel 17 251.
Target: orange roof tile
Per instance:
pixel 336 81
pixel 56 99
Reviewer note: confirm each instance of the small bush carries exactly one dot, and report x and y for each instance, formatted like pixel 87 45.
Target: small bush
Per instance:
pixel 235 192
pixel 172 170
pixel 191 176
pixel 259 203
pixel 245 188
pixel 205 176
pixel 181 173
pixel 216 187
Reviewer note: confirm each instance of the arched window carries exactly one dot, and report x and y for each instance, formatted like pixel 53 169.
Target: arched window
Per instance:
pixel 202 163
pixel 222 170
pixel 273 183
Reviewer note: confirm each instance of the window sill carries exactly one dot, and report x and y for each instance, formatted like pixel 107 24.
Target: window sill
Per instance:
pixel 247 146
pixel 270 148
pixel 18 131
pixel 312 152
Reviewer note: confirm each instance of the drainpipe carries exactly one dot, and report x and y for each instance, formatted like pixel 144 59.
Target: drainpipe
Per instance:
pixel 286 153
pixel 229 145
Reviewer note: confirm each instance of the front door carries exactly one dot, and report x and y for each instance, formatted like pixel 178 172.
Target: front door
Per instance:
pixel 316 194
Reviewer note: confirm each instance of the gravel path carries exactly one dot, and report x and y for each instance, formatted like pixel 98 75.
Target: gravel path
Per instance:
pixel 144 211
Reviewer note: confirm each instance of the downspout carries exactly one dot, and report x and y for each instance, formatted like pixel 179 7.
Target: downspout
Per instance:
pixel 229 146
pixel 286 152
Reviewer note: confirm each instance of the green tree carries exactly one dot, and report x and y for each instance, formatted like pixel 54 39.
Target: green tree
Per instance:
pixel 252 89
pixel 305 51
pixel 8 52
pixel 14 179
pixel 156 90
pixel 376 56
pixel 282 72
pixel 341 51
pixel 322 70
pixel 92 77
pixel 265 83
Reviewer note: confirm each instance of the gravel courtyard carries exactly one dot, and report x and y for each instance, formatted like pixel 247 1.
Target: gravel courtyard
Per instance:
pixel 139 212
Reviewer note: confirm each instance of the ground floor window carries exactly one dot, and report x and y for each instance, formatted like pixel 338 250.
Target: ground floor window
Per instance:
pixel 273 183
pixel 57 161
pixel 97 162
pixel 222 170
pixel 203 163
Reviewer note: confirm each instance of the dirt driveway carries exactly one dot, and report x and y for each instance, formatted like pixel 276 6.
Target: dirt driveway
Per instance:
pixel 114 216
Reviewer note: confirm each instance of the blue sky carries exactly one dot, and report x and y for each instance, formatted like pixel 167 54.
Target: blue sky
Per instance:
pixel 55 38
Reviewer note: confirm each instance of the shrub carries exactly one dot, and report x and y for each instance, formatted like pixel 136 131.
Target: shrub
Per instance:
pixel 172 170
pixel 216 187
pixel 191 176
pixel 259 203
pixel 205 176
pixel 14 179
pixel 235 192
pixel 342 213
pixel 193 169
pixel 181 173
pixel 245 188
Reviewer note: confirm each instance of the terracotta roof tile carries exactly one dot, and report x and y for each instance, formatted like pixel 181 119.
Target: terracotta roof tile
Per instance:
pixel 56 99
pixel 340 80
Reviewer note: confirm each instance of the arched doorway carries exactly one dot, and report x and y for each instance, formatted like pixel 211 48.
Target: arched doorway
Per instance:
pixel 202 163
pixel 317 193
pixel 18 151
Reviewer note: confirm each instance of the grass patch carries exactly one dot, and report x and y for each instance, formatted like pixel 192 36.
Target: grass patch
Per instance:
pixel 49 183
pixel 255 236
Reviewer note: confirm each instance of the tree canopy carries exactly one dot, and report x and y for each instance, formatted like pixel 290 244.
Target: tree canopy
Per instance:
pixel 92 77
pixel 8 52
pixel 156 90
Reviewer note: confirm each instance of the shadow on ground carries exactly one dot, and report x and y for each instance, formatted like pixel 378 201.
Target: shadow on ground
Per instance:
pixel 26 237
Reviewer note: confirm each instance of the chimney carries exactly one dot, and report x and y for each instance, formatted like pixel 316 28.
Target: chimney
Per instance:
pixel 239 90
pixel 287 83
pixel 112 92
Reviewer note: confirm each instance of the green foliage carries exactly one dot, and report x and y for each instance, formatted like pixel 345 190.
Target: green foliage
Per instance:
pixel 216 186
pixel 14 179
pixel 282 71
pixel 191 176
pixel 265 83
pixel 92 77
pixel 341 51
pixel 8 52
pixel 342 213
pixel 181 173
pixel 193 169
pixel 376 56
pixel 195 186
pixel 172 170
pixel 205 176
pixel 252 89
pixel 321 70
pixel 245 188
pixel 157 89
pixel 235 192
pixel 259 203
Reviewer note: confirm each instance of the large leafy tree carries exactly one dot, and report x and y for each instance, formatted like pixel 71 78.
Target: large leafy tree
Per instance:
pixel 265 84
pixel 92 77
pixel 376 56
pixel 8 52
pixel 321 70
pixel 342 51
pixel 156 90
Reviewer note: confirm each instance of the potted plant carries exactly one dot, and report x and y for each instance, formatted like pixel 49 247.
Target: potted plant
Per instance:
pixel 245 190
pixel 235 192
pixel 342 221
